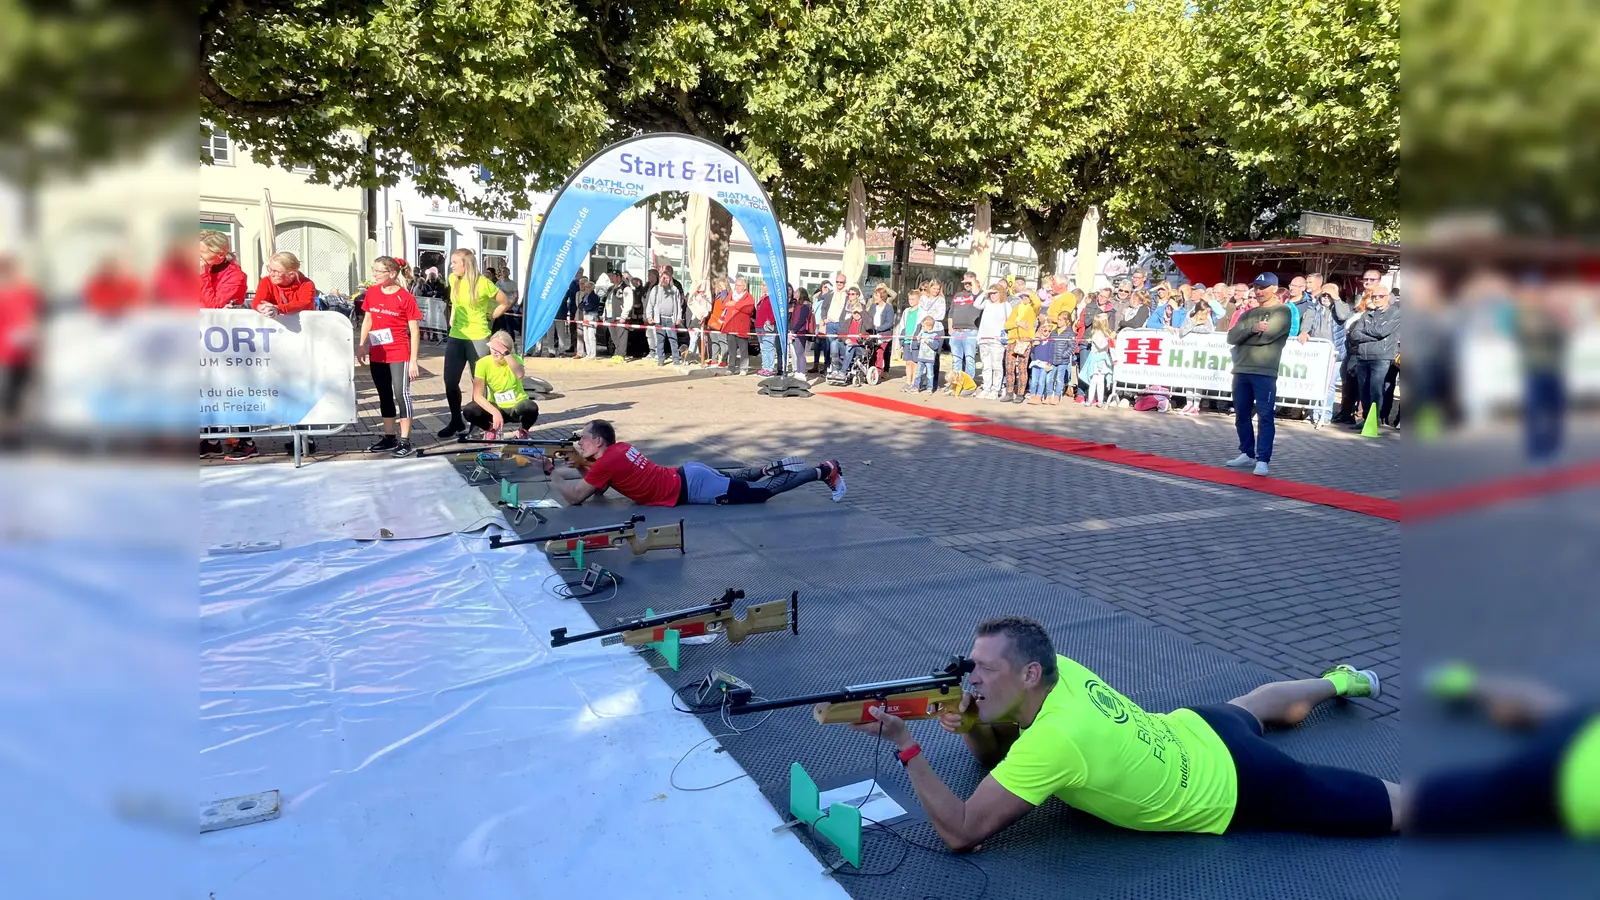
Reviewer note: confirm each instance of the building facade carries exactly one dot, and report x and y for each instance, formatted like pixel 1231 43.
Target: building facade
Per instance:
pixel 323 225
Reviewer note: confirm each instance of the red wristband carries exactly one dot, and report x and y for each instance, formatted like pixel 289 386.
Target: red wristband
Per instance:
pixel 909 753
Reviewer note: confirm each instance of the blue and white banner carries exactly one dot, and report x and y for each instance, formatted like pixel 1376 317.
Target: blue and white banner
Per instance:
pixel 619 177
pixel 289 370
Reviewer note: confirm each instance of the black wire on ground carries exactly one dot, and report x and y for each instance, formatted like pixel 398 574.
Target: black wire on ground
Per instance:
pixel 699 708
pixel 567 589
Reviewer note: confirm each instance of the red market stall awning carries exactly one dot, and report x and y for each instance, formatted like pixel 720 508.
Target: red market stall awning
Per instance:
pixel 1339 261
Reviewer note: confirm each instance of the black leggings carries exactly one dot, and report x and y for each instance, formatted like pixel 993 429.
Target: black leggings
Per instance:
pixel 524 414
pixel 1279 793
pixel 1515 794
pixel 460 354
pixel 394 388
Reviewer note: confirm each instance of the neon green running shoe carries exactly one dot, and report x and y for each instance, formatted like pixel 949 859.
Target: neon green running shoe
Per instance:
pixel 1451 681
pixel 1348 681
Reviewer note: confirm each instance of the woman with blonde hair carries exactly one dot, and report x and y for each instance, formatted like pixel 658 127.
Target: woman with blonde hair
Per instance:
pixel 475 301
pixel 699 309
pixel 222 282
pixel 497 392
pixel 283 290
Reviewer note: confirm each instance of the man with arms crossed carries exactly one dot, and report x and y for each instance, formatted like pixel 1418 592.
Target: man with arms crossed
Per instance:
pixel 1046 725
pixel 624 469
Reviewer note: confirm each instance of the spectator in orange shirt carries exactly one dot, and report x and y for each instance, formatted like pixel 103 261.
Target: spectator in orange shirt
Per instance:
pixel 284 290
pixel 112 289
pixel 222 282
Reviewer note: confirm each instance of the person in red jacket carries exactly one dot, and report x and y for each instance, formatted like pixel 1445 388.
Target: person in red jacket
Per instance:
pixel 19 322
pixel 767 327
pixel 736 319
pixel 174 283
pixel 112 289
pixel 284 291
pixel 222 282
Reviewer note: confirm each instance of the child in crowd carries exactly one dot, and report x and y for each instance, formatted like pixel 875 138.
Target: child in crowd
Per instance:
pixel 909 322
pixel 1041 359
pixel 1064 346
pixel 928 342
pixel 1020 326
pixel 1097 367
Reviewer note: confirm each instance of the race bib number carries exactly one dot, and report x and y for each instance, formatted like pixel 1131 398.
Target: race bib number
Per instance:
pixel 380 336
pixel 504 398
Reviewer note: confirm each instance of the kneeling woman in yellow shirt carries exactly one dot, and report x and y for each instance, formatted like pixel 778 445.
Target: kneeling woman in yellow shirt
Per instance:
pixel 497 392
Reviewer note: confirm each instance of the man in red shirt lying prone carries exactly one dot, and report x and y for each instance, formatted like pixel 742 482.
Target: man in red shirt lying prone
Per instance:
pixel 625 470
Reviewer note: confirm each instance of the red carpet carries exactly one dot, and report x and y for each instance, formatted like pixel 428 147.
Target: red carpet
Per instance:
pixel 1452 501
pixel 1291 490
pixel 910 409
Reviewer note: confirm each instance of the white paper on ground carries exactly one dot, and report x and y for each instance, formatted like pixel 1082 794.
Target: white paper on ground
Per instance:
pixel 428 742
pixel 359 499
pixel 879 806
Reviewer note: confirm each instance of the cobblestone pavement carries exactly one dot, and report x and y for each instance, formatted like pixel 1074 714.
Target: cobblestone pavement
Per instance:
pixel 1289 585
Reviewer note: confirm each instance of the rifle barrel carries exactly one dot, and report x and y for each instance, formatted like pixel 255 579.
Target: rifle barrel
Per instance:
pixel 860 692
pixel 495 542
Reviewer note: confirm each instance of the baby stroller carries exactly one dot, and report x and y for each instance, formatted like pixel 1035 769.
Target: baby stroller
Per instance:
pixel 865 369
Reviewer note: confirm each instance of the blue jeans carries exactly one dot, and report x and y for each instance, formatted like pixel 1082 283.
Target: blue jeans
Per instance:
pixel 1544 403
pixel 666 343
pixel 924 375
pixel 1369 384
pixel 1261 392
pixel 822 351
pixel 769 352
pixel 964 352
pixel 1058 379
pixel 1038 378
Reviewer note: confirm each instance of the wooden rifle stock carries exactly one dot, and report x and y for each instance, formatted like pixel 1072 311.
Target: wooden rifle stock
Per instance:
pixel 659 537
pixel 778 615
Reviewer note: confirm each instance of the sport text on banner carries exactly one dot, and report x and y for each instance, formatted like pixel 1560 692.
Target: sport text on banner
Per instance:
pixel 1204 362
pixel 288 370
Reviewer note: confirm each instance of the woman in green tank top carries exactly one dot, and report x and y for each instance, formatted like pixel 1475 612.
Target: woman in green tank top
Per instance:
pixel 475 302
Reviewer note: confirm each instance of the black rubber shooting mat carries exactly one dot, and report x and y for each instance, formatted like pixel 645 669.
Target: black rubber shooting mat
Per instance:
pixel 877 602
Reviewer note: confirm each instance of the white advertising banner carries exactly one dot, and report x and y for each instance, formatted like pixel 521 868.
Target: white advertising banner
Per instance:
pixel 1490 367
pixel 1204 362
pixel 289 370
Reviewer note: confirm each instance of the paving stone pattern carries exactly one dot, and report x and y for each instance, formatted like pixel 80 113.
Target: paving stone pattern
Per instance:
pixel 1288 585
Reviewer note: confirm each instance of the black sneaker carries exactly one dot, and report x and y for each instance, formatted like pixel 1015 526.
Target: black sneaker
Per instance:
pixel 454 428
pixel 210 449
pixel 402 449
pixel 387 442
pixel 245 450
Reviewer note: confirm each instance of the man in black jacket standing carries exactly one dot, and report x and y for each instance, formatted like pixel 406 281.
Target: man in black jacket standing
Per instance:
pixel 1375 342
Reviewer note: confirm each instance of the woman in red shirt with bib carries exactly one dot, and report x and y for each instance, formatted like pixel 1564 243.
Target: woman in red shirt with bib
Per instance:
pixel 390 337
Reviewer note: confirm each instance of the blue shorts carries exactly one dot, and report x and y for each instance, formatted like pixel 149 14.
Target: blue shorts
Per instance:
pixel 1279 793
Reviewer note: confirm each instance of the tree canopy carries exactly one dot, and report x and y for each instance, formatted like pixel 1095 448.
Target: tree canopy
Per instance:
pixel 1222 118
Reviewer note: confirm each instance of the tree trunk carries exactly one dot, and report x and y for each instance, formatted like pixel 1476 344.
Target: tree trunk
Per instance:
pixel 721 232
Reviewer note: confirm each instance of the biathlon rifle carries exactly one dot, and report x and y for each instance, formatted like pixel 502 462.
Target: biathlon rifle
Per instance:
pixel 575 541
pixel 927 697
pixel 564 449
pixel 716 617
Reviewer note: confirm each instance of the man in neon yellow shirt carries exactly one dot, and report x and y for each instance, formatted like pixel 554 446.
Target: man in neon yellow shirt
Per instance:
pixel 1046 725
pixel 1552 783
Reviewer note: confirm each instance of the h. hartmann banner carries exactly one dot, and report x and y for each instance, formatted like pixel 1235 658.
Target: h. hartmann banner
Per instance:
pixel 1204 362
pixel 289 370
pixel 625 173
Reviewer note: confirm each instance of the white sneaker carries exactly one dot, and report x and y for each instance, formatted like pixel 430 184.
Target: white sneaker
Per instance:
pixel 1241 461
pixel 1261 468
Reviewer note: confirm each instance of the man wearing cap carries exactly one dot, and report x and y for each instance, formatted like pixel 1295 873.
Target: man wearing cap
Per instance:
pixel 1323 317
pixel 1258 338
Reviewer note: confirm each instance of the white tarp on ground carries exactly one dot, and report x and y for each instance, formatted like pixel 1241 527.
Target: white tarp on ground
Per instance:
pixel 412 498
pixel 403 697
